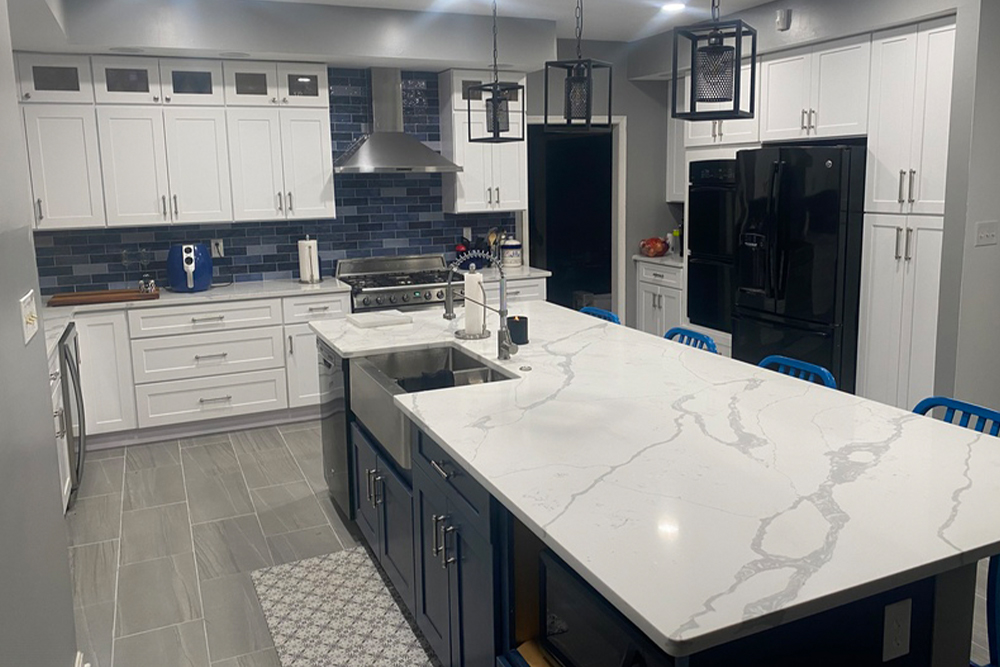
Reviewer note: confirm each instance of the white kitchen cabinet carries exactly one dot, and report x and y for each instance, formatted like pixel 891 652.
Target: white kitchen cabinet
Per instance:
pixel 723 132
pixel 510 176
pixel 206 354
pixel 303 85
pixel 106 372
pixel 198 165
pixel 191 82
pixel 518 291
pixel 249 83
pixel 134 164
pixel 309 380
pixel 46 77
pixel 900 284
pixel 258 182
pixel 818 92
pixel 307 160
pixel 64 165
pixel 912 70
pixel 125 80
pixel 494 177
pixel 659 308
pixel 677 176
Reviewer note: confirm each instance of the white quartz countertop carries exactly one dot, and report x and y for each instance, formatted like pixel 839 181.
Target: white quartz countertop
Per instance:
pixel 666 260
pixel 707 499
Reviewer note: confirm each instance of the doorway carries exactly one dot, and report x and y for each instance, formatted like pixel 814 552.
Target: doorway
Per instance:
pixel 571 215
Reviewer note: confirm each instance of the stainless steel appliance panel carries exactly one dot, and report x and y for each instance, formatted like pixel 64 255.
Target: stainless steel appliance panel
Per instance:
pixel 336 460
pixel 73 414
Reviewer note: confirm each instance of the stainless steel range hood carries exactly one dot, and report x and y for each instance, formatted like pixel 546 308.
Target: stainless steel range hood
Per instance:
pixel 388 149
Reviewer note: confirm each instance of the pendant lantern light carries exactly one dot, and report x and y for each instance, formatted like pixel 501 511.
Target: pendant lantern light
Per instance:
pixel 717 52
pixel 578 91
pixel 497 97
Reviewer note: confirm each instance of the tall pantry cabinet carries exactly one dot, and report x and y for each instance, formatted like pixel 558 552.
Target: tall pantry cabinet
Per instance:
pixel 911 88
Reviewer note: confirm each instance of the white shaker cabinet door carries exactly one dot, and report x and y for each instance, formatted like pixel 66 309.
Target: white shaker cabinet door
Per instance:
pixel 839 105
pixel 255 164
pixel 307 156
pixel 106 372
pixel 64 165
pixel 250 83
pixel 46 77
pixel 473 185
pixel 677 177
pixel 922 285
pixel 650 317
pixel 931 117
pixel 191 82
pixel 198 165
pixel 882 277
pixel 122 80
pixel 696 132
pixel 134 164
pixel 303 85
pixel 744 130
pixel 784 97
pixel 892 93
pixel 510 177
pixel 309 380
pixel 672 313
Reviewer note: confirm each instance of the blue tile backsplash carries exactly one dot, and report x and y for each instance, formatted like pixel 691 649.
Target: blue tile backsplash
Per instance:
pixel 377 214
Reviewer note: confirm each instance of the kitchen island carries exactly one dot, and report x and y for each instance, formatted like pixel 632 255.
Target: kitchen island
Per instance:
pixel 705 499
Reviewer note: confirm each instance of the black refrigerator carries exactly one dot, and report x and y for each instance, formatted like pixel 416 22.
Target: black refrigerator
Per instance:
pixel 799 225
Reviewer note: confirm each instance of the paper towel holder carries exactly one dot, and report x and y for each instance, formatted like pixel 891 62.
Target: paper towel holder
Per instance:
pixel 463 334
pixel 313 279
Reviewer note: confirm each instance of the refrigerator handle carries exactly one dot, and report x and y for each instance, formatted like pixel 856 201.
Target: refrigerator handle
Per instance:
pixel 772 255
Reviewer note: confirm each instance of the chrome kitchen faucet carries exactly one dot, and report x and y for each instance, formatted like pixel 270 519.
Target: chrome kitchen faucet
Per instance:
pixel 505 346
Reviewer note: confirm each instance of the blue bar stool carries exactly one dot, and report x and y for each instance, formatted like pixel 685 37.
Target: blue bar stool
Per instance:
pixel 799 369
pixel 606 315
pixel 987 421
pixel 692 339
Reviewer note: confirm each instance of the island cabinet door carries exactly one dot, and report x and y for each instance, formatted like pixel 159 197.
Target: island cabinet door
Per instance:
pixel 395 503
pixel 433 597
pixel 469 557
pixel 365 469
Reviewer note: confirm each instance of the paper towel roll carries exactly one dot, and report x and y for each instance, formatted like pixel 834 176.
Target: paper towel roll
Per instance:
pixel 309 261
pixel 475 314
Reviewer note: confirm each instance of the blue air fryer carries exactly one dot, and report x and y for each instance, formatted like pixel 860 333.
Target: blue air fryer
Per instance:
pixel 189 268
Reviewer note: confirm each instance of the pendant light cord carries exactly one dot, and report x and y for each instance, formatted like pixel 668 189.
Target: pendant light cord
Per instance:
pixel 716 12
pixel 579 29
pixel 496 51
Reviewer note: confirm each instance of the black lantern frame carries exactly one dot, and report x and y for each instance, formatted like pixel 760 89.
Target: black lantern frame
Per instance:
pixel 497 97
pixel 735 34
pixel 578 114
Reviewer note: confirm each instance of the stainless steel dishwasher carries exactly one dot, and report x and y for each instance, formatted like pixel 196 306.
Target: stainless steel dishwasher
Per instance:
pixel 336 444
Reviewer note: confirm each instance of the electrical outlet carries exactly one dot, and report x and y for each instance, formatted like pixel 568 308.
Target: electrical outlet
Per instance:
pixel 896 631
pixel 986 233
pixel 29 316
pixel 218 248
pixel 467 233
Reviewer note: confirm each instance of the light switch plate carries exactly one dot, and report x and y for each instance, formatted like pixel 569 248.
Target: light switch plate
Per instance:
pixel 986 233
pixel 467 233
pixel 29 316
pixel 896 631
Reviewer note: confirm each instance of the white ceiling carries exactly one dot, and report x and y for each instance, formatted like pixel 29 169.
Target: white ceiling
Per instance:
pixel 615 20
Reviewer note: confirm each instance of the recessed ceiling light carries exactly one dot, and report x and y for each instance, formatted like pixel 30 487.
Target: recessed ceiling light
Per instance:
pixel 674 7
pixel 125 49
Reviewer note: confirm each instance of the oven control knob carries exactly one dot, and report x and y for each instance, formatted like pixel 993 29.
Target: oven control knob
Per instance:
pixel 427 295
pixel 366 301
pixel 406 297
pixel 392 299
pixel 440 294
pixel 379 300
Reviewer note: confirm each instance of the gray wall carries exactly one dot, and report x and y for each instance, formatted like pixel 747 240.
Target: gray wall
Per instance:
pixel 644 103
pixel 36 607
pixel 346 36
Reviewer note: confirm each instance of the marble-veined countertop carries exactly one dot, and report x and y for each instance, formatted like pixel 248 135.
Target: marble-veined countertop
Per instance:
pixel 705 498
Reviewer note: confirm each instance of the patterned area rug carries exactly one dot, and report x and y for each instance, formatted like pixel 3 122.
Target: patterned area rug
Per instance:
pixel 336 611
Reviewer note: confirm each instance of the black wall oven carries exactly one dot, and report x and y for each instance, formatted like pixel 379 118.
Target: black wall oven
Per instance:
pixel 711 243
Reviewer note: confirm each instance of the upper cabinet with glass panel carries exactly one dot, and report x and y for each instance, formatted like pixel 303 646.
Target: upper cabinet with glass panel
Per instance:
pixel 119 80
pixel 190 82
pixel 54 78
pixel 303 85
pixel 276 84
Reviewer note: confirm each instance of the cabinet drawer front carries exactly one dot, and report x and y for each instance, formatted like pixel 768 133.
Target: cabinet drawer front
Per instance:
pixel 202 355
pixel 668 276
pixel 185 401
pixel 320 307
pixel 147 322
pixel 518 290
pixel 465 492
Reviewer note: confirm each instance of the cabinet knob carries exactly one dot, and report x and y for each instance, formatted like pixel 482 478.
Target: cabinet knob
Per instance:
pixel 274 100
pixel 27 96
pixel 156 98
pixel 167 98
pixel 284 100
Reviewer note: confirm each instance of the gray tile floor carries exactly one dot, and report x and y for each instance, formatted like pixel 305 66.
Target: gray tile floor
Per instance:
pixel 163 537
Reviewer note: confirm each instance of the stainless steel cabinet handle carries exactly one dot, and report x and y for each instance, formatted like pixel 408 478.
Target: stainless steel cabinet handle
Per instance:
pixel 714 132
pixel 805 122
pixel 489 194
pixel 812 119
pixel 654 300
pixel 376 480
pixel 439 470
pixel 291 345
pixel 369 473
pixel 445 561
pixel 291 209
pixel 913 178
pixel 163 200
pixel 213 318
pixel 177 210
pixel 281 206
pixel 899 236
pixel 40 216
pixel 516 292
pixel 436 519
pixel 220 355
pixel 902 179
pixel 498 196
pixel 217 399
pixel 318 309
pixel 658 275
pixel 906 255
pixel 720 128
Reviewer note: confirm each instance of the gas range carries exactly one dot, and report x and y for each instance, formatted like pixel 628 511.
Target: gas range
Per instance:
pixel 404 283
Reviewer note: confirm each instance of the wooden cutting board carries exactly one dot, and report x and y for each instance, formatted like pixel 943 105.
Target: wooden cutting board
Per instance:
pixel 101 296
